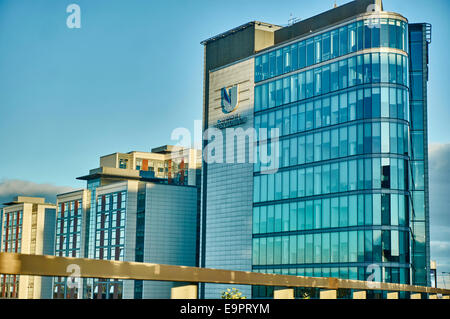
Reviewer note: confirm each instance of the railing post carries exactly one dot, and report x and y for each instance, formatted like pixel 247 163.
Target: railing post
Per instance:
pixel 283 294
pixel 416 296
pixel 184 292
pixel 392 295
pixel 328 294
pixel 360 295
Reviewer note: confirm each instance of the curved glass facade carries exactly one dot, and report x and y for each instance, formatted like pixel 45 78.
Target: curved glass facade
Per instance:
pixel 338 205
pixel 356 36
pixel 370 68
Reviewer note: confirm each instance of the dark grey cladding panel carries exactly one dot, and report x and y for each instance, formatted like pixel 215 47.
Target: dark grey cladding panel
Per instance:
pixel 232 47
pixel 325 19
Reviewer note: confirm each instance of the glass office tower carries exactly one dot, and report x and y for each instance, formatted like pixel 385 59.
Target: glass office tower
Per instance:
pixel 341 204
pixel 346 91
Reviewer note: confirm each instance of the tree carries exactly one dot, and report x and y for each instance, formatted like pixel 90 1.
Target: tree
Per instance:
pixel 232 294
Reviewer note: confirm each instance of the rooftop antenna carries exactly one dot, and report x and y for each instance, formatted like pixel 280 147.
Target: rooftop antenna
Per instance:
pixel 293 19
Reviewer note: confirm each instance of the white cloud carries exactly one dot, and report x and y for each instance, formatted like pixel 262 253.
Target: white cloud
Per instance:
pixel 9 188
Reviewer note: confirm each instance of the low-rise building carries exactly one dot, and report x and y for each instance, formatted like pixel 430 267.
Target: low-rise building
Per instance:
pixel 28 227
pixel 131 211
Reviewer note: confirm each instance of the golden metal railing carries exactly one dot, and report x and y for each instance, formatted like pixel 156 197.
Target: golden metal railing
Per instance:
pixel 37 265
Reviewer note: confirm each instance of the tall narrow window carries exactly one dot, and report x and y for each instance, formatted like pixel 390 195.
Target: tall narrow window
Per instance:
pixel 334 77
pixel 367 69
pixel 317 81
pixel 343 37
pixel 318 49
pixel 287 59
pixel 352 37
pixel 376 77
pixel 343 74
pixel 326 79
pixel 279 61
pixel 294 56
pixel 309 52
pixel 309 84
pixel 326 46
pixel 352 71
pixel 334 44
pixel 302 55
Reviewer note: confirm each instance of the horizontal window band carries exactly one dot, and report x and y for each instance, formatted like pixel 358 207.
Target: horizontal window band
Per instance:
pixel 333 161
pixel 333 230
pixel 333 93
pixel 332 265
pixel 333 195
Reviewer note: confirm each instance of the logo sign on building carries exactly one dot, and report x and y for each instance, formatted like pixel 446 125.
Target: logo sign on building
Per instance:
pixel 232 120
pixel 230 98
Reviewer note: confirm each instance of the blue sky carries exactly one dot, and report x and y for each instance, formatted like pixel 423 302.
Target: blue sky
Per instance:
pixel 133 73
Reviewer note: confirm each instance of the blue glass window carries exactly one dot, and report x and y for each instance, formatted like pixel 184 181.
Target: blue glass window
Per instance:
pixel 351 71
pixel 294 56
pixel 326 179
pixel 265 66
pixel 367 34
pixel 272 64
pixel 279 61
pixel 343 37
pixel 352 37
pixel 318 49
pixel 343 176
pixel 286 90
pixel 326 257
pixel 376 34
pixel 302 55
pixel 279 92
pixel 309 52
pixel 367 69
pixel 334 76
pixel 317 81
pixel 309 116
pixel 334 44
pixel 326 112
pixel 301 86
pixel 326 46
pixel 301 216
pixel 343 74
pixel 392 68
pixel 287 59
pixel 376 102
pixel 326 145
pixel 392 34
pixel 326 79
pixel 318 113
pixel 309 84
pixel 360 35
pixel 343 108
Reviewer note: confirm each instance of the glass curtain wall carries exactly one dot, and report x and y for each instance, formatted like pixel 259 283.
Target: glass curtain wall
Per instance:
pixel 339 203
